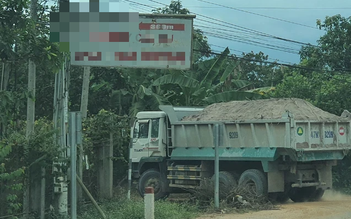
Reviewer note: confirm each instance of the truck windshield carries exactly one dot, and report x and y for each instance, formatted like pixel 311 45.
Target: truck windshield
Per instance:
pixel 141 128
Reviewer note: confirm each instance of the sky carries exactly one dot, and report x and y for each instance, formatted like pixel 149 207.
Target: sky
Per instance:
pixel 253 25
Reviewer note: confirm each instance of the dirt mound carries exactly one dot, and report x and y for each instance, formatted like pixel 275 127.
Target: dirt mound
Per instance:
pixel 262 109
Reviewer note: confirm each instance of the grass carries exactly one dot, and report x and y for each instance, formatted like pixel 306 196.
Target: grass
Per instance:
pixel 122 208
pixel 201 200
pixel 131 209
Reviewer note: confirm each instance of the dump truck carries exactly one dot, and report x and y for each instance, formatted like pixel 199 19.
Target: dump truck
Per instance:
pixel 286 157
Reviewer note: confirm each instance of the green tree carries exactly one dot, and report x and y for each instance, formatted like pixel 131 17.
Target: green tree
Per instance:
pixel 333 50
pixel 254 68
pixel 334 94
pixel 324 79
pixel 295 86
pixel 204 84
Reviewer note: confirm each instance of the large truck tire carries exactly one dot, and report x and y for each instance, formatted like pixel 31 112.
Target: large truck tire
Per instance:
pixel 255 181
pixel 278 197
pixel 227 182
pixel 317 195
pixel 153 178
pixel 301 194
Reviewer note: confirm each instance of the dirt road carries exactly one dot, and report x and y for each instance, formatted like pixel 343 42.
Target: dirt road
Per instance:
pixel 333 206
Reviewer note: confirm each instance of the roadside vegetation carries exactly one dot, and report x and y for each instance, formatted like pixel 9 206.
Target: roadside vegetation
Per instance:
pixel 134 209
pixel 121 207
pixel 322 77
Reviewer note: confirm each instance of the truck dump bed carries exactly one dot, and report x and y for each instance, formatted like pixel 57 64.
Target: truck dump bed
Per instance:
pixel 280 133
pixel 257 139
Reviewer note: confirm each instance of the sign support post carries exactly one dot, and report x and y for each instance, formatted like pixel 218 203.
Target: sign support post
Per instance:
pixel 216 193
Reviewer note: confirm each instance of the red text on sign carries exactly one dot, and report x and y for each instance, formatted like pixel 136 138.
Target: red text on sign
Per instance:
pixel 152 26
pixel 91 56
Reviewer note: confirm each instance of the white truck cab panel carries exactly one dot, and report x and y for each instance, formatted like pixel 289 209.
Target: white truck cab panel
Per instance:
pixel 149 135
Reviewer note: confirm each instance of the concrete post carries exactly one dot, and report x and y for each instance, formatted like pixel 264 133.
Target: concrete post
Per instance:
pixel 149 203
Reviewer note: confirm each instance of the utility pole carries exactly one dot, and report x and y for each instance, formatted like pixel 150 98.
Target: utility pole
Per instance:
pixel 30 110
pixel 61 124
pixel 85 92
pixel 83 110
pixel 31 80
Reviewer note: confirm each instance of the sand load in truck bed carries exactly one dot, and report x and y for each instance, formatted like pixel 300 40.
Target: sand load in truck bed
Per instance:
pixel 262 109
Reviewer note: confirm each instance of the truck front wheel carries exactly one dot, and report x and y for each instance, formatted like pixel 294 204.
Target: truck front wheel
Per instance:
pixel 153 178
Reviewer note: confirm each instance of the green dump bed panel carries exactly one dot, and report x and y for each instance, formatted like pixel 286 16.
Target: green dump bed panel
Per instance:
pixel 283 133
pixel 311 136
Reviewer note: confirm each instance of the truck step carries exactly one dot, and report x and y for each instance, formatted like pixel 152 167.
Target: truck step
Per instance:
pixel 182 177
pixel 185 168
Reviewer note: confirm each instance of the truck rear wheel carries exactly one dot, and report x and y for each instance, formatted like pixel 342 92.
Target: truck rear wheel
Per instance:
pixel 153 178
pixel 278 197
pixel 254 181
pixel 301 194
pixel 317 195
pixel 226 183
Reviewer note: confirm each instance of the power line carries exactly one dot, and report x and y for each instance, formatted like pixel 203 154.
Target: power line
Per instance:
pixel 266 16
pixel 281 64
pixel 272 8
pixel 223 25
pixel 252 42
pixel 242 52
pixel 266 8
pixel 245 41
pixel 242 35
pixel 136 7
pixel 242 28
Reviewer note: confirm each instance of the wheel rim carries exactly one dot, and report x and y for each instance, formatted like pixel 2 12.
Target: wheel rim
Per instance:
pixel 155 183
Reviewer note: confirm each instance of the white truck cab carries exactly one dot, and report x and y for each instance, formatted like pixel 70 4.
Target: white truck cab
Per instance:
pixel 149 135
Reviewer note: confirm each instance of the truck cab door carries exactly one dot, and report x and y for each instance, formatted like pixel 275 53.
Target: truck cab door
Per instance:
pixel 141 140
pixel 155 138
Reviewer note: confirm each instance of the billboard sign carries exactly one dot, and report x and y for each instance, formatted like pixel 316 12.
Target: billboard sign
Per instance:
pixel 122 39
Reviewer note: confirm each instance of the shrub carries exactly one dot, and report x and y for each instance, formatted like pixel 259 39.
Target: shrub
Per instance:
pixel 237 198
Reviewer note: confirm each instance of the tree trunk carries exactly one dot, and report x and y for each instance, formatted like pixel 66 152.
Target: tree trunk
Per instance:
pixel 6 76
pixel 2 76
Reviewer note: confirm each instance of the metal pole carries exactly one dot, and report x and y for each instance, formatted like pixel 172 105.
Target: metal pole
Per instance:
pixel 216 193
pixel 130 166
pixel 73 145
pixel 65 100
pixel 129 178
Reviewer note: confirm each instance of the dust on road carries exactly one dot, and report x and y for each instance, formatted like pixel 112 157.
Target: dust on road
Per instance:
pixel 332 206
